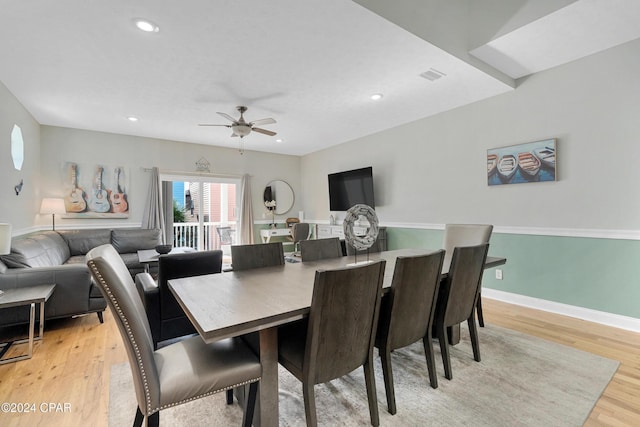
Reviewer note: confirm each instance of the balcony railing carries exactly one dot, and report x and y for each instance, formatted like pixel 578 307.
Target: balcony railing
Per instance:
pixel 186 234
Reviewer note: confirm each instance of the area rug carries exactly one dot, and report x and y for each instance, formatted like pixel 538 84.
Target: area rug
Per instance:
pixel 521 381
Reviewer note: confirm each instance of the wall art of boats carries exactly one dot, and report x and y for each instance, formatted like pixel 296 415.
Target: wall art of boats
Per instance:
pixel 547 156
pixel 507 167
pixel 492 163
pixel 529 165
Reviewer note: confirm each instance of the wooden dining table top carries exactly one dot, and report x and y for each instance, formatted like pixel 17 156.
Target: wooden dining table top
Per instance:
pixel 238 302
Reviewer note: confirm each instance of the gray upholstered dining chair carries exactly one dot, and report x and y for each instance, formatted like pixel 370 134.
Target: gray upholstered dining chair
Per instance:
pixel 457 299
pixel 180 372
pixel 299 232
pixel 246 257
pixel 407 313
pixel 317 249
pixel 466 235
pixel 336 338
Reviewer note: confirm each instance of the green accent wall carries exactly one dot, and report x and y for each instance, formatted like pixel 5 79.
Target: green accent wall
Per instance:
pixel 598 274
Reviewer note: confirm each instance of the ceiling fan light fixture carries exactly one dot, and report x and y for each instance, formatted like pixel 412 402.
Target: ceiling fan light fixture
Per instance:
pixel 146 26
pixel 241 129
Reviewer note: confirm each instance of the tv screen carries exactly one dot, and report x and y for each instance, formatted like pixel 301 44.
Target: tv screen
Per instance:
pixel 351 188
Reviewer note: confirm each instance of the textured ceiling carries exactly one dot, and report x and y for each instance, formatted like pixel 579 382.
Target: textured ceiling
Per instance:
pixel 310 65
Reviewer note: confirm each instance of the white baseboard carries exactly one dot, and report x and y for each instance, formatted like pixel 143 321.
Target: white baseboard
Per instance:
pixel 604 318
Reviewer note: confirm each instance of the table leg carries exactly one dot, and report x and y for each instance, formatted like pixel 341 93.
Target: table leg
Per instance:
pixel 267 402
pixel 32 326
pixel 41 334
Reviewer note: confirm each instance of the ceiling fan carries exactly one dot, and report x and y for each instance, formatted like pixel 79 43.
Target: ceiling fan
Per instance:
pixel 242 128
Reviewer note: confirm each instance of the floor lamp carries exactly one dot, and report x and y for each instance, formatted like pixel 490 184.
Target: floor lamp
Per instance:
pixel 52 206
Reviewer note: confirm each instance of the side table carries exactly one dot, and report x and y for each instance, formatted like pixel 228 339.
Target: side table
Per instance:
pixel 25 296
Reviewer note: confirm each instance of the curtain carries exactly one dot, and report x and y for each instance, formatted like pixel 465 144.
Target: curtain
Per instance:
pixel 153 215
pixel 167 198
pixel 245 225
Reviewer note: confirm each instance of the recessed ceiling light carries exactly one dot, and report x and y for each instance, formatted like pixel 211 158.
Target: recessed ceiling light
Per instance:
pixel 132 119
pixel 146 26
pixel 376 96
pixel 279 140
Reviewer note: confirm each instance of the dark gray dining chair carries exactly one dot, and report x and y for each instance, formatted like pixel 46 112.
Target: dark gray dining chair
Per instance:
pixel 457 299
pixel 166 318
pixel 299 232
pixel 336 338
pixel 317 249
pixel 246 257
pixel 466 235
pixel 177 373
pixel 407 313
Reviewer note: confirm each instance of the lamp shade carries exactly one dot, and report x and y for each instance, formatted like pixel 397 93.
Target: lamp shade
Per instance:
pixel 5 238
pixel 52 206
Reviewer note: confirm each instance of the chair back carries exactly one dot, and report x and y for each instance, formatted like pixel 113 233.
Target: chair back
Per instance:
pixel 460 290
pixel 408 309
pixel 246 257
pixel 300 232
pixel 344 313
pixel 317 249
pixel 115 282
pixel 463 235
pixel 188 264
pixel 225 234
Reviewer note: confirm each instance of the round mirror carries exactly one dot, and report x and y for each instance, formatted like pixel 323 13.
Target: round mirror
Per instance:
pixel 278 197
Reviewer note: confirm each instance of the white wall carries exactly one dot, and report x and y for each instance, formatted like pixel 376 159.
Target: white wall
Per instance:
pixel 60 145
pixel 20 210
pixel 433 171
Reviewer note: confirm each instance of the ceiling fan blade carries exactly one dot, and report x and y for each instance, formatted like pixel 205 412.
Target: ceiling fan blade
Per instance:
pixel 205 124
pixel 264 131
pixel 228 117
pixel 233 135
pixel 268 121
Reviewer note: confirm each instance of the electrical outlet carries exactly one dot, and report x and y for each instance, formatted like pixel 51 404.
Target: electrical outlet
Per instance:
pixel 498 274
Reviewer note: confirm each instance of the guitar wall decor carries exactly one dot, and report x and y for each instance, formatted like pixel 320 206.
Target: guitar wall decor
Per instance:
pixel 74 201
pixel 117 197
pixel 99 201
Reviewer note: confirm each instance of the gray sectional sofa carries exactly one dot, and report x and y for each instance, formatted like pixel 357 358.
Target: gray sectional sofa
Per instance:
pixel 59 257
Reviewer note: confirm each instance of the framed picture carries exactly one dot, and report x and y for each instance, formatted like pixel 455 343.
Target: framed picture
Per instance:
pixel 95 191
pixel 522 163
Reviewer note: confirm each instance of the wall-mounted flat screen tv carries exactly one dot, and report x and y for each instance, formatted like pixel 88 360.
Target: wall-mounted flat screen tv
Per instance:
pixel 350 188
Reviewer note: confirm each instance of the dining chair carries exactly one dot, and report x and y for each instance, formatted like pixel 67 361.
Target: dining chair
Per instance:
pixel 317 249
pixel 225 234
pixel 466 235
pixel 180 372
pixel 299 232
pixel 407 312
pixel 336 338
pixel 457 299
pixel 166 318
pixel 246 257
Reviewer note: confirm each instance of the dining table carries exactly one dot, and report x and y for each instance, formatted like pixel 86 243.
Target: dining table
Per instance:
pixel 235 303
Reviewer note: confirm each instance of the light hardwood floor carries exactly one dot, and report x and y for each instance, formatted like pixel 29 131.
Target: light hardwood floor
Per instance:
pixel 71 366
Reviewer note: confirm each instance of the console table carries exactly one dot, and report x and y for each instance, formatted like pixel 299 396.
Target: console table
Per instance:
pixel 268 233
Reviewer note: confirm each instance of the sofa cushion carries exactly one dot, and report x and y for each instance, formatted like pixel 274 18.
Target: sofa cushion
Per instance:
pixel 40 249
pixel 82 241
pixel 132 240
pixel 3 267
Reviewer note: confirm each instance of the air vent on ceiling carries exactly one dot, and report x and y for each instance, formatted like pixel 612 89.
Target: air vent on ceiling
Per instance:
pixel 432 74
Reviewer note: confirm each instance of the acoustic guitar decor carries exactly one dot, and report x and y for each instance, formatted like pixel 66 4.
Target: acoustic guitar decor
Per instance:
pixel 99 201
pixel 117 197
pixel 75 200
